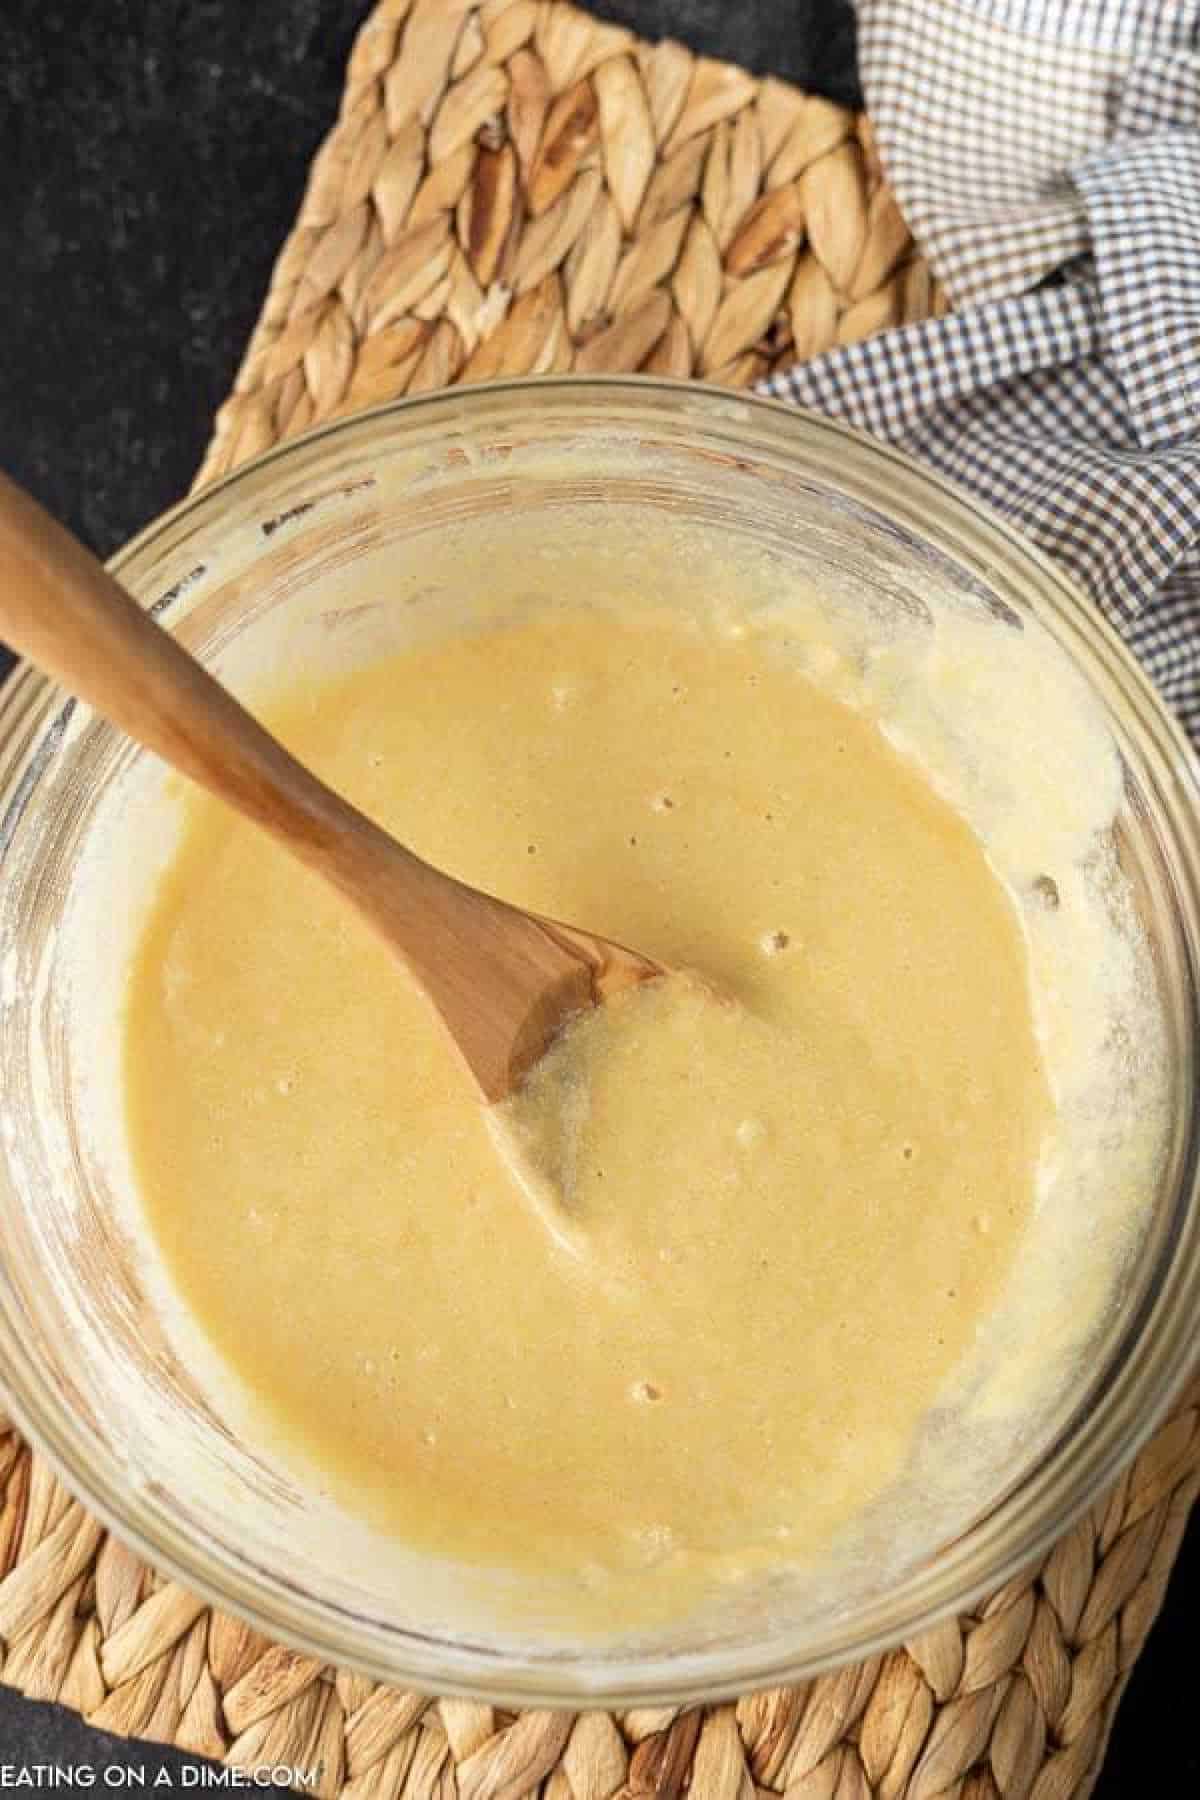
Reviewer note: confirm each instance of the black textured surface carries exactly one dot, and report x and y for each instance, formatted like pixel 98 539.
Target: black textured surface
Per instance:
pixel 151 159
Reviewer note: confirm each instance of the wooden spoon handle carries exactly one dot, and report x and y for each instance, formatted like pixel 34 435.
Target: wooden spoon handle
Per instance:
pixel 502 980
pixel 61 609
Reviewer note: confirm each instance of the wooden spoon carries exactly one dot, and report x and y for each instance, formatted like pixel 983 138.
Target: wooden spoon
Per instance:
pixel 503 981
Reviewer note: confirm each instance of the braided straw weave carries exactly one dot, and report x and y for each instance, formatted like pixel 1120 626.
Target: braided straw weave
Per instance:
pixel 514 187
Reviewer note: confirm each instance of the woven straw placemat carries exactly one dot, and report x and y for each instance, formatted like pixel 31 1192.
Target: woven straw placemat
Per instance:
pixel 515 187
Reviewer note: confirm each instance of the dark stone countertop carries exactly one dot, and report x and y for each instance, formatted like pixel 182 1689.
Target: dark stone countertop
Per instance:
pixel 151 161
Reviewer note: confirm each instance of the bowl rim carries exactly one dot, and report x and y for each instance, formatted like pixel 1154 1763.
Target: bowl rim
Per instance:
pixel 278 1606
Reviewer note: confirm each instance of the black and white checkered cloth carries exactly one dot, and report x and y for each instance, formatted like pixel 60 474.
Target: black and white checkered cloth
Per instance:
pixel 1046 154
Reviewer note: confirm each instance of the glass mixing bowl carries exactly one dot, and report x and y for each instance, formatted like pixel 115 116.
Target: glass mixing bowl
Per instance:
pixel 87 1370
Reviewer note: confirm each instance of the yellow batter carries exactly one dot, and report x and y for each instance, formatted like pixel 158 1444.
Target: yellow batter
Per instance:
pixel 795 1210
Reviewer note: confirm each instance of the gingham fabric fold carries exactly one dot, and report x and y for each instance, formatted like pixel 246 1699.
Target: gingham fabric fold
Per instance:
pixel 1047 155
